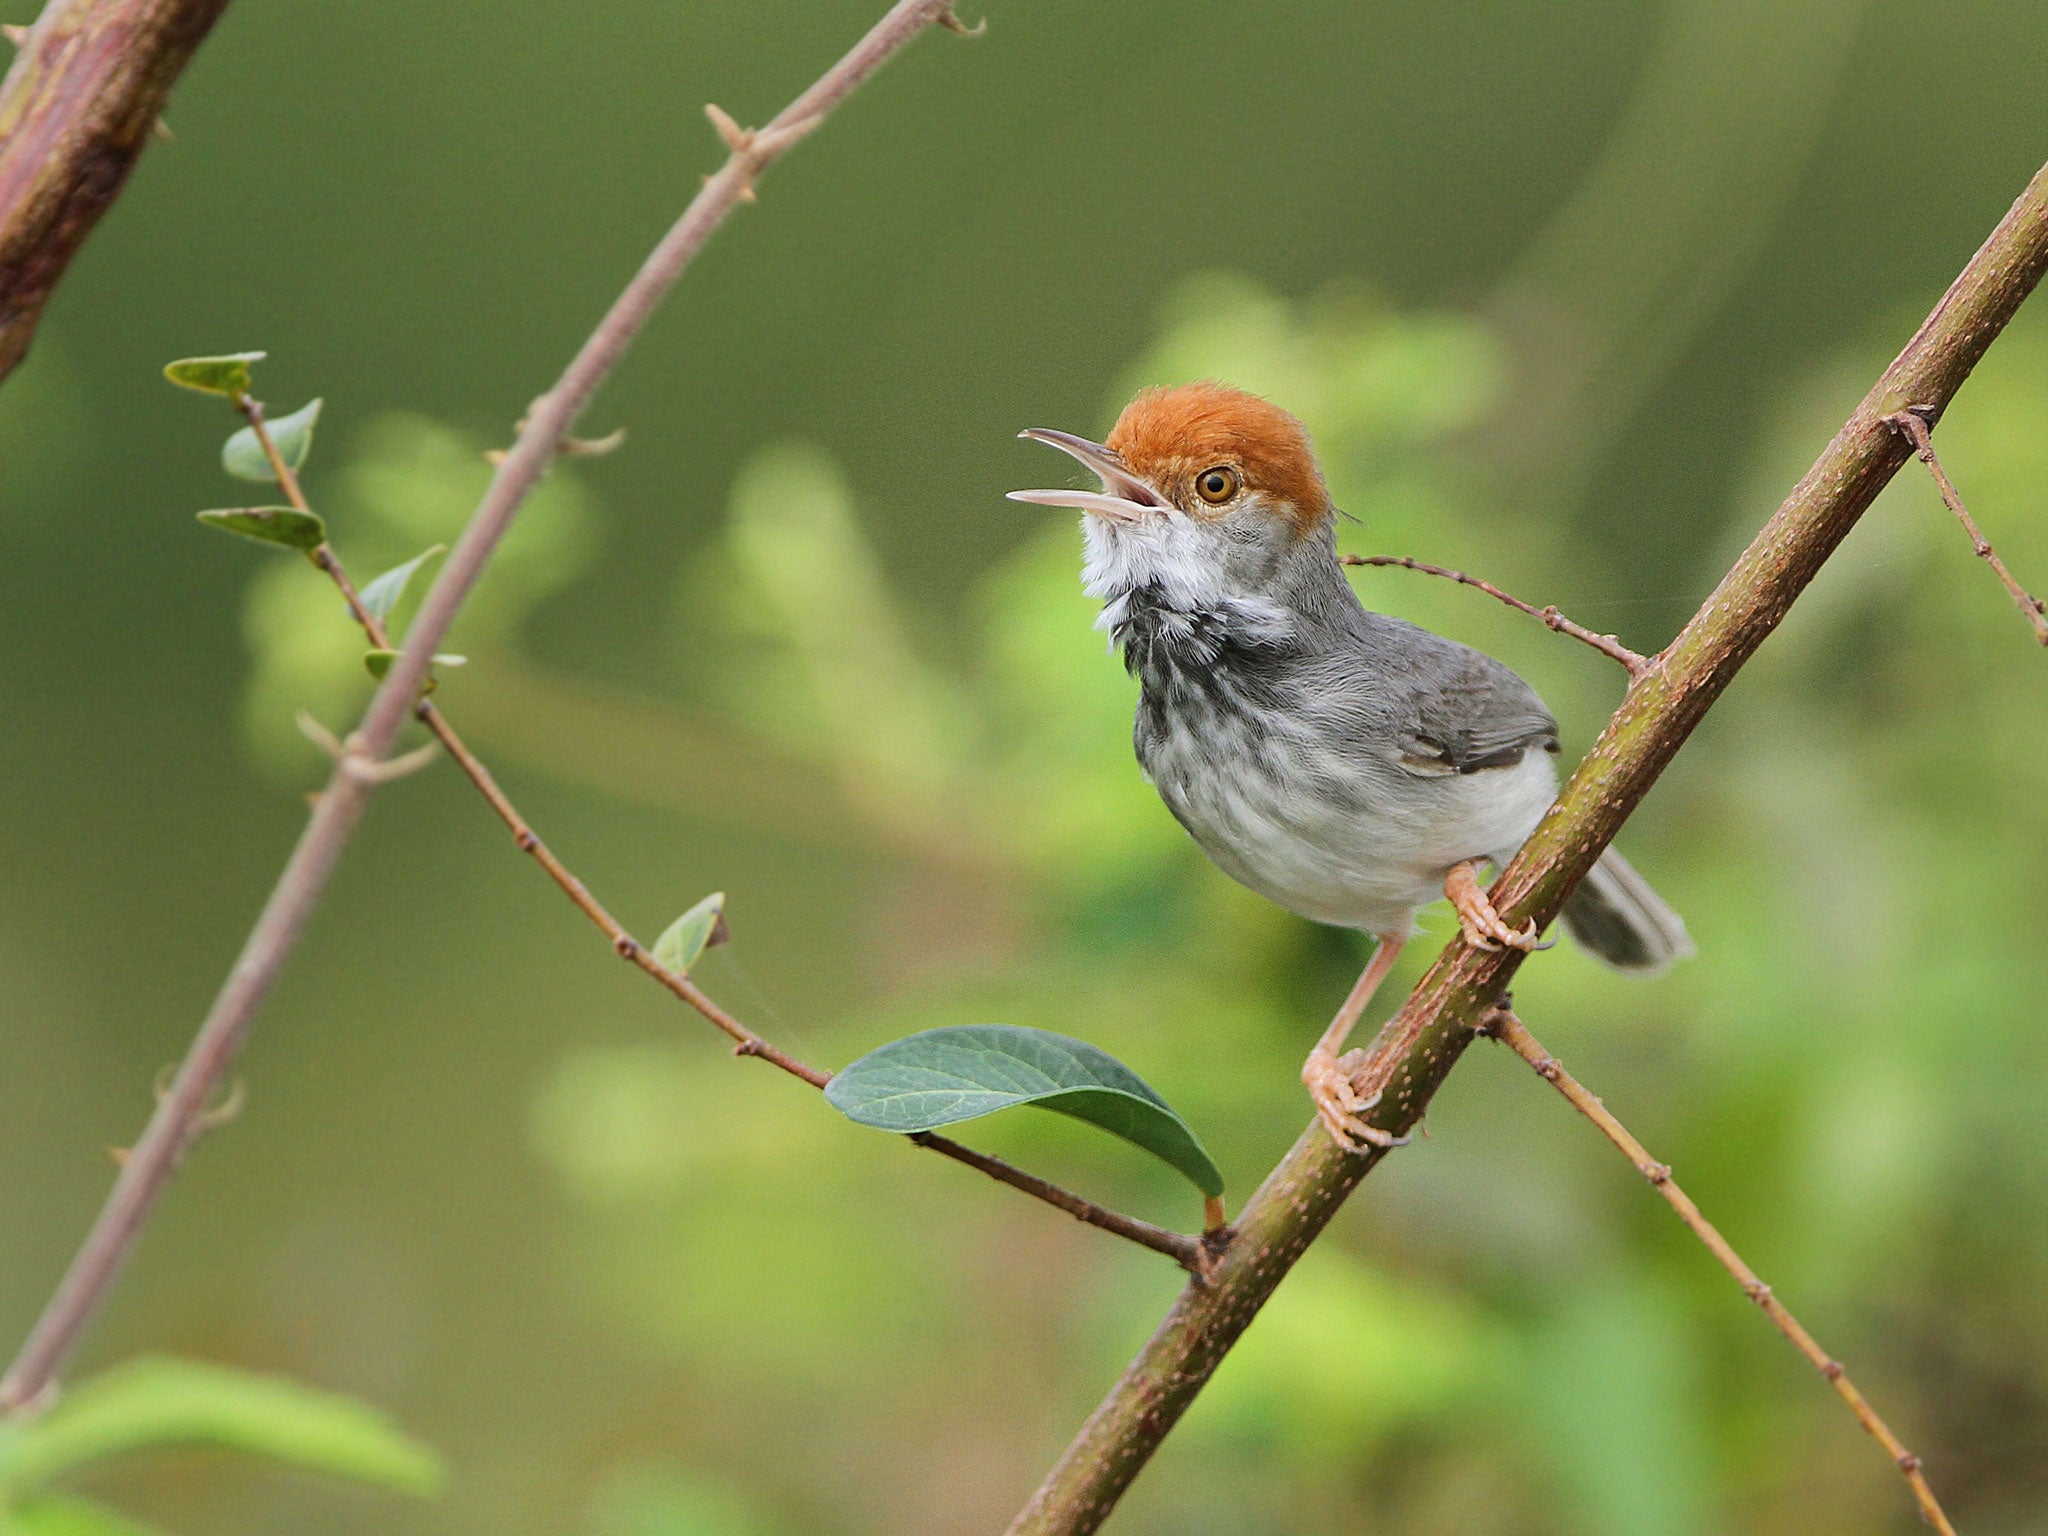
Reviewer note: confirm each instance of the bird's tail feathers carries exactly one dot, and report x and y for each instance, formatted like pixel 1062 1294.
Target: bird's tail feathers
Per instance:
pixel 1616 915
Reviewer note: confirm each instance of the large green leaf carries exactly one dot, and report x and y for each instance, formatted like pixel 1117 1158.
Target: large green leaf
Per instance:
pixel 227 374
pixel 243 457
pixel 154 1402
pixel 271 525
pixel 964 1071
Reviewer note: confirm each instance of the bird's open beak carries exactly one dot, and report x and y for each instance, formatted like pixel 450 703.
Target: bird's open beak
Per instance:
pixel 1124 498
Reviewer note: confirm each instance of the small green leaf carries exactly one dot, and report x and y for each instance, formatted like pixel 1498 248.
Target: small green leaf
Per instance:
pixel 225 375
pixel 378 662
pixel 243 457
pixel 271 525
pixel 942 1076
pixel 382 595
pixel 153 1402
pixel 61 1515
pixel 702 927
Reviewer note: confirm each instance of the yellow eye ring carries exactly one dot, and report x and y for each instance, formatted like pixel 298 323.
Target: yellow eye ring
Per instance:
pixel 1217 485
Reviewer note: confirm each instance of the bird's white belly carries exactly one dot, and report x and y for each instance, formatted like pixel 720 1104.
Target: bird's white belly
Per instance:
pixel 1356 845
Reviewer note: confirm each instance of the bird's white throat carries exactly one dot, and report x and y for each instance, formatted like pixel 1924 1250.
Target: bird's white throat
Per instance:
pixel 1170 567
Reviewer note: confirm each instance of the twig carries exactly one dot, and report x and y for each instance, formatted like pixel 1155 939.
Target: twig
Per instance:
pixel 340 805
pixel 1914 422
pixel 1503 1025
pixel 1423 1041
pixel 1188 1252
pixel 79 103
pixel 1184 1250
pixel 1606 645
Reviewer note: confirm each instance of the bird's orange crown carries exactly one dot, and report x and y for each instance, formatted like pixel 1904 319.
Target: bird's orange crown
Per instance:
pixel 1171 437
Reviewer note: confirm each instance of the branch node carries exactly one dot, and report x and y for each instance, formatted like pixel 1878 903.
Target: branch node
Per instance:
pixel 1756 1291
pixel 746 1048
pixel 527 839
pixel 775 138
pixel 625 947
pixel 737 139
pixel 1912 423
pixel 1908 1463
pixel 364 769
pixel 1833 1370
pixel 1657 1173
pixel 319 735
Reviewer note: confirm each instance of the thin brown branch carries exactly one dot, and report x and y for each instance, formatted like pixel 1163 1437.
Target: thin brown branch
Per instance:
pixel 1502 1025
pixel 1184 1250
pixel 340 805
pixel 1606 645
pixel 1423 1041
pixel 1188 1252
pixel 76 109
pixel 1914 423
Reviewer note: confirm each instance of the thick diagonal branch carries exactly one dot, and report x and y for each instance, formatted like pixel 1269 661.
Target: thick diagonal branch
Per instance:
pixel 1424 1040
pixel 99 1261
pixel 76 109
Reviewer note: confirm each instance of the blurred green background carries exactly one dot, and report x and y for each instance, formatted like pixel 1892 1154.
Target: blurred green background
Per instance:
pixel 1569 294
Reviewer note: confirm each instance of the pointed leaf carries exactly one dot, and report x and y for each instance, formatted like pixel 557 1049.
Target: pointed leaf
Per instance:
pixel 154 1402
pixel 271 525
pixel 243 457
pixel 378 662
pixel 697 930
pixel 227 374
pixel 382 595
pixel 942 1076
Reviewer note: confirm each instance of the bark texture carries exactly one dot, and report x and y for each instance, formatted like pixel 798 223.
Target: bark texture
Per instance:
pixel 77 107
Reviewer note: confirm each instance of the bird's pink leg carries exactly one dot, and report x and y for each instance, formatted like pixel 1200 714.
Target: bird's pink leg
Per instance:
pixel 1483 926
pixel 1330 1077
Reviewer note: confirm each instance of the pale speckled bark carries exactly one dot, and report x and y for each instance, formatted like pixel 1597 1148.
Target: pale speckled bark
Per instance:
pixel 76 109
pixel 1424 1040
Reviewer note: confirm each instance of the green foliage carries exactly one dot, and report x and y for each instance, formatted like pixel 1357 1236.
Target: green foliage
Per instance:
pixel 943 1076
pixel 303 531
pixel 59 1514
pixel 243 457
pixel 662 1502
pixel 153 1404
pixel 691 934
pixel 381 595
pixel 227 374
pixel 404 483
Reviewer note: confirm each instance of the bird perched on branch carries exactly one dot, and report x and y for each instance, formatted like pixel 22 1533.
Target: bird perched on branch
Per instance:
pixel 1350 766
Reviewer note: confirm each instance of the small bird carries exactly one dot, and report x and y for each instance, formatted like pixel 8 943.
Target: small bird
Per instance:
pixel 1350 766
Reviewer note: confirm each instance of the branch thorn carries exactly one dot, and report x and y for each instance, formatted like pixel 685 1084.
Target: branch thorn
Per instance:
pixel 368 770
pixel 950 20
pixel 319 735
pixel 737 139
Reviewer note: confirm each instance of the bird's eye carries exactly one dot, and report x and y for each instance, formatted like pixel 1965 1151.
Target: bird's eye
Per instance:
pixel 1217 485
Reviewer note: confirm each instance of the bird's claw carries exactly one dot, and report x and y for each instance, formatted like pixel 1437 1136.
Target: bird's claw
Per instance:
pixel 1482 926
pixel 1333 1087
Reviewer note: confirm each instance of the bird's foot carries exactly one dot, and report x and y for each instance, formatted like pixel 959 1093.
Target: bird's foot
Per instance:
pixel 1483 927
pixel 1333 1086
